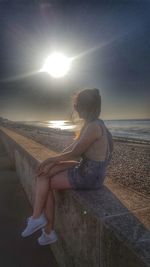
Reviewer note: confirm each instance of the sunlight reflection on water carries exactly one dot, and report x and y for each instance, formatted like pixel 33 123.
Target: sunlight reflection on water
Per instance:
pixel 61 124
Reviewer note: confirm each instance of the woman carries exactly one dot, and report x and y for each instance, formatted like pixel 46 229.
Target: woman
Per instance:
pixel 66 171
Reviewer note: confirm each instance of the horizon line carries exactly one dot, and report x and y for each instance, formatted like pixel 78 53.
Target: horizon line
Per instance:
pixel 68 120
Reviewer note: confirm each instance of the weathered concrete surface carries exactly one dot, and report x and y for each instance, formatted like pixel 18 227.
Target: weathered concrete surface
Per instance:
pixel 108 227
pixel 14 208
pixel 116 253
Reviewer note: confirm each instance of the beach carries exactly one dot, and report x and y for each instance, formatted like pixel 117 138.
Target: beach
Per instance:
pixel 130 161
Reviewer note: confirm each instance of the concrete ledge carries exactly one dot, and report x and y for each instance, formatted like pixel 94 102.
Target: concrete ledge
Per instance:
pixel 103 228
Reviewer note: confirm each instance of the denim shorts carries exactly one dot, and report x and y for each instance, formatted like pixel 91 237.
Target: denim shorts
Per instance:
pixel 88 174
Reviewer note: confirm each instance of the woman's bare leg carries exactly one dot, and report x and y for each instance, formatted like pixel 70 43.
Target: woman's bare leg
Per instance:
pixel 59 182
pixel 43 186
pixel 50 211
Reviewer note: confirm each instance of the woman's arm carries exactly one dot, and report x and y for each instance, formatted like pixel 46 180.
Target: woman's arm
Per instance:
pixel 48 160
pixel 89 135
pixel 70 147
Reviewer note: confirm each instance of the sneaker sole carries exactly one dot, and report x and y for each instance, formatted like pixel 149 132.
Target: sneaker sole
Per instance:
pixel 48 242
pixel 35 229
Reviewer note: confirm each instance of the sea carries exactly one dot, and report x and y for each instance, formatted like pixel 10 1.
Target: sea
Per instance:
pixel 138 129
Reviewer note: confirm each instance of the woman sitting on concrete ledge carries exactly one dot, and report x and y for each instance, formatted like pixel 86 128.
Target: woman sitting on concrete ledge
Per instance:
pixel 66 171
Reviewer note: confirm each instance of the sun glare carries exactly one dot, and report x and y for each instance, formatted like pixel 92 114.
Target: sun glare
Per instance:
pixel 57 65
pixel 61 124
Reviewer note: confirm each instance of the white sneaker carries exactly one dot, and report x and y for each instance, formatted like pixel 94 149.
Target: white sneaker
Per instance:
pixel 33 225
pixel 46 239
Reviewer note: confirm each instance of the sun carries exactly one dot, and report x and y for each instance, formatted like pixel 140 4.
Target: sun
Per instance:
pixel 57 65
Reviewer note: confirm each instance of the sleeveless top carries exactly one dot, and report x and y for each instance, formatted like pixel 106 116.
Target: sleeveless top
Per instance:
pixel 109 141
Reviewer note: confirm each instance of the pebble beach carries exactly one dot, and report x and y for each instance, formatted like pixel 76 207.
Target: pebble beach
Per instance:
pixel 130 164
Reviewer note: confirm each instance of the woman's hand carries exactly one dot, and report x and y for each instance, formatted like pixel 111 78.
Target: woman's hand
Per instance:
pixel 45 170
pixel 44 167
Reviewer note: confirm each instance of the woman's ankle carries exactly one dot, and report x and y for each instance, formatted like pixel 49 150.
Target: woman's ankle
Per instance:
pixel 37 215
pixel 48 229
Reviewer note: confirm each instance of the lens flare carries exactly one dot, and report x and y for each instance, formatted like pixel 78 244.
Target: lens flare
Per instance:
pixel 57 65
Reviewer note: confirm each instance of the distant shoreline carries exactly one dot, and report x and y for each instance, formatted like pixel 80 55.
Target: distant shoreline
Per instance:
pixel 130 140
pixel 138 119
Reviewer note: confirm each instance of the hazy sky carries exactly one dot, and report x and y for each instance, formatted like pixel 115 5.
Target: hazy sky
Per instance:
pixel 111 43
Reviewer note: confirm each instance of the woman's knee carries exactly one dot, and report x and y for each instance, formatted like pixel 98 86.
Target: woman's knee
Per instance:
pixel 54 170
pixel 60 181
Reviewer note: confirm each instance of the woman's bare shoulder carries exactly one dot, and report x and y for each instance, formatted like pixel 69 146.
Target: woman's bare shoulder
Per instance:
pixel 92 127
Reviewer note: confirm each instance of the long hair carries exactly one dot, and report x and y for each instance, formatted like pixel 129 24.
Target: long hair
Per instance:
pixel 87 103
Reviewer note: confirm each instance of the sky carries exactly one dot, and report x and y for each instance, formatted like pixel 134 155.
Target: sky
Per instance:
pixel 110 41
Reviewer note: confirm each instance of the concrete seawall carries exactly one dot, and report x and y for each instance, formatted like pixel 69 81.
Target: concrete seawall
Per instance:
pixel 104 228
